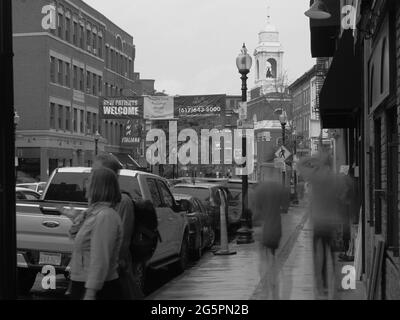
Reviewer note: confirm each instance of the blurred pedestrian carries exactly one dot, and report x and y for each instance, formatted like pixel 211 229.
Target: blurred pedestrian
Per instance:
pixel 326 215
pixel 267 200
pixel 97 243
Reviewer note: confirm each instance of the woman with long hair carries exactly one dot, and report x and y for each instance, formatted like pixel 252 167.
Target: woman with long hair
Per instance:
pixel 97 241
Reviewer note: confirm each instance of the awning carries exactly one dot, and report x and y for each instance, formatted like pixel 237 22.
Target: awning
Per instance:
pixel 341 94
pixel 127 161
pixel 324 32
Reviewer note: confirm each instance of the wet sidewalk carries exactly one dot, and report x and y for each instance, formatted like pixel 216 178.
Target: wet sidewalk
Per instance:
pixel 296 274
pixel 234 277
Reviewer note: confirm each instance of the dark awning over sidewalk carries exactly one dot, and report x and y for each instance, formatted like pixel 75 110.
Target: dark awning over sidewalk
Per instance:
pixel 341 94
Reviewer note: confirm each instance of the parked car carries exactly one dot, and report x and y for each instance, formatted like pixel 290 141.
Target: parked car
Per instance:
pixel 35 186
pixel 26 194
pixel 208 195
pixel 42 232
pixel 201 231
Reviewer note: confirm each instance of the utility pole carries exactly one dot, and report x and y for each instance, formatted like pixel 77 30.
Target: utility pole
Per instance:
pixel 8 254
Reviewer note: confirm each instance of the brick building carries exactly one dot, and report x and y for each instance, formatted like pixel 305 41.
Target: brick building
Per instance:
pixel 360 98
pixel 67 55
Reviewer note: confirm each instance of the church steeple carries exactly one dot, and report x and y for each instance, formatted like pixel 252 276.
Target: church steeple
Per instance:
pixel 268 57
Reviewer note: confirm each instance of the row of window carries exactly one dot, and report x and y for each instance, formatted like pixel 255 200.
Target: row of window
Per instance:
pixel 119 63
pixel 302 98
pixel 78 121
pixel 86 35
pixel 80 33
pixel 83 80
pixel 302 124
pixel 73 119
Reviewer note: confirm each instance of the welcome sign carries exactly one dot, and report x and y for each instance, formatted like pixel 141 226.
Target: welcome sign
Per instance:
pixel 121 108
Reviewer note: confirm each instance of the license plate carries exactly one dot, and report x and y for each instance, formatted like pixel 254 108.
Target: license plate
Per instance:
pixel 53 259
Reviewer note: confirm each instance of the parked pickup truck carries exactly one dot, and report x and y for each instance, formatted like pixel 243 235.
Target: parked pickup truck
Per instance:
pixel 42 233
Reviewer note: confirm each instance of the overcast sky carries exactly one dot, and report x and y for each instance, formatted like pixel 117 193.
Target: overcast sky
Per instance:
pixel 190 46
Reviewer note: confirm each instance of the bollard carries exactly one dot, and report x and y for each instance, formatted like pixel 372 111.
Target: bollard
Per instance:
pixel 224 248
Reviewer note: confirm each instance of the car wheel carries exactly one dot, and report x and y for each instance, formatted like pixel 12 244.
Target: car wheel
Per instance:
pixel 198 252
pixel 26 279
pixel 211 238
pixel 181 264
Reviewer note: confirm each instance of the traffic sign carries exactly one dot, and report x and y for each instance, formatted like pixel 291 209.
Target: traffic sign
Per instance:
pixel 245 124
pixel 283 153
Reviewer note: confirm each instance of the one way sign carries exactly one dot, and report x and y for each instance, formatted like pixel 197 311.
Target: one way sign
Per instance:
pixel 282 153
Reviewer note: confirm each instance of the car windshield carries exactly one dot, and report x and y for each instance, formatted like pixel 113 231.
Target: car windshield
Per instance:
pixel 71 187
pixel 201 193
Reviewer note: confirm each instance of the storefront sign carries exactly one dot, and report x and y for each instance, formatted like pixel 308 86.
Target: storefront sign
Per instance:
pixel 121 108
pixel 199 106
pixel 158 108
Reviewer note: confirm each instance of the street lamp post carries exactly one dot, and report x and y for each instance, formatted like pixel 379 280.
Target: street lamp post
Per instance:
pixel 282 119
pixel 97 137
pixel 245 234
pixel 294 169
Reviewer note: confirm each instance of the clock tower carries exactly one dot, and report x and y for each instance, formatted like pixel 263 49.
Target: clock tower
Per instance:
pixel 268 58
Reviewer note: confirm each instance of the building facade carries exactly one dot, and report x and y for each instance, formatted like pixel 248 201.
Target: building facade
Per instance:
pixel 67 56
pixel 306 118
pixel 360 97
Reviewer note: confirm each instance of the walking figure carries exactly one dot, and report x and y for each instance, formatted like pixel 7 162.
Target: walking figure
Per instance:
pixel 326 211
pixel 282 153
pixel 267 200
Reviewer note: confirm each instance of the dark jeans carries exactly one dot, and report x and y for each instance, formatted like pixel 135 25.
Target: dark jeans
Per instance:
pixel 111 291
pixel 325 237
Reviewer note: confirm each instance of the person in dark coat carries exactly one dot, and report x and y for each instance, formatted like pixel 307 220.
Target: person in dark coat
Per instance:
pixel 267 201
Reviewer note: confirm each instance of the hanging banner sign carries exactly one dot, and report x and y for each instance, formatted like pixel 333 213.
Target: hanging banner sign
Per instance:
pixel 200 106
pixel 121 108
pixel 132 132
pixel 158 108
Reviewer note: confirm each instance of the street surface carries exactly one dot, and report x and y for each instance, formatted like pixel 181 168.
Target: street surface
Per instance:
pixel 236 277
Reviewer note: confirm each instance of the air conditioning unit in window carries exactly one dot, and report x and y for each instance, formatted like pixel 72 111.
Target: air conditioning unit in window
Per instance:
pixel 89 48
pixel 94 51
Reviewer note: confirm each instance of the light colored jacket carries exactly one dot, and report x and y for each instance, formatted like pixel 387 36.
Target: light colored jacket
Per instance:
pixel 96 247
